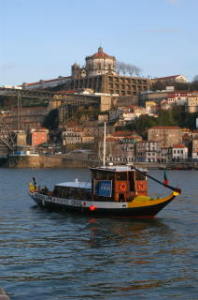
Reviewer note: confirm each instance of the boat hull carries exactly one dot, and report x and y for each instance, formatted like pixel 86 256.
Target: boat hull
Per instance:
pixel 94 208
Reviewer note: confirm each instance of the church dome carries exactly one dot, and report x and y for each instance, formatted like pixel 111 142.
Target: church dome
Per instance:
pixel 100 54
pixel 100 63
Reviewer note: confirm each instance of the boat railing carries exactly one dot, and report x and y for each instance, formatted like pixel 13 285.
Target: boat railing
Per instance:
pixel 157 195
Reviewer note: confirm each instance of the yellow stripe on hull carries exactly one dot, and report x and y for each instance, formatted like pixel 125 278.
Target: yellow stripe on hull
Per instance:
pixel 143 201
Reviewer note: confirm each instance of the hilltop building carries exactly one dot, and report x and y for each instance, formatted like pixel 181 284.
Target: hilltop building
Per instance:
pixel 168 80
pixel 98 74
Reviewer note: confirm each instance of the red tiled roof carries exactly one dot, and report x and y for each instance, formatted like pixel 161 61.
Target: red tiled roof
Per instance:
pixel 110 139
pixel 168 77
pixel 45 81
pixel 179 146
pixel 121 133
pixel 99 54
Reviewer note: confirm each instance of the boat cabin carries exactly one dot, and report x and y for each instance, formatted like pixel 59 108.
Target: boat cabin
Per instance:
pixel 76 190
pixel 118 183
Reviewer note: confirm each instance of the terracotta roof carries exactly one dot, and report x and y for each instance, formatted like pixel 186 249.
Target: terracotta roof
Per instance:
pixel 121 133
pixel 100 54
pixel 45 81
pixel 179 146
pixel 110 139
pixel 168 77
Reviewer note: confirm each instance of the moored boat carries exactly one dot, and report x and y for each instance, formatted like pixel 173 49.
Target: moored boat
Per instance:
pixel 113 190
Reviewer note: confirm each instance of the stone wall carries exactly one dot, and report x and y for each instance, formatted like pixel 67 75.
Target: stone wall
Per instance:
pixel 47 162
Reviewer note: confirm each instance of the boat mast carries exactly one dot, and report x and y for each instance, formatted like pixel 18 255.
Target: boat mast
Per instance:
pixel 104 144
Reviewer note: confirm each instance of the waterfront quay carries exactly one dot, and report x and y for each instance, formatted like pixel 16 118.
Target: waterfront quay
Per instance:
pixel 62 161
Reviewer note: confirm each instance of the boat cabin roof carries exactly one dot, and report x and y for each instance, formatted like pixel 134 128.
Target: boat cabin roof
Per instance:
pixel 117 169
pixel 75 184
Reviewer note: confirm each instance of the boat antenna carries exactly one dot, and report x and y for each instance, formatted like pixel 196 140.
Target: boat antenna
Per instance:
pixel 158 181
pixel 104 144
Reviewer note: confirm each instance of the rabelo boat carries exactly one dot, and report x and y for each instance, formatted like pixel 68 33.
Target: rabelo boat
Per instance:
pixel 113 191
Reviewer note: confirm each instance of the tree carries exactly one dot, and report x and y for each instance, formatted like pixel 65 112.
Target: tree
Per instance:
pixel 166 118
pixel 141 124
pixel 195 79
pixel 130 69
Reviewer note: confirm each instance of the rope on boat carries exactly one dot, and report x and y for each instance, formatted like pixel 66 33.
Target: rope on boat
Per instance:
pixel 175 189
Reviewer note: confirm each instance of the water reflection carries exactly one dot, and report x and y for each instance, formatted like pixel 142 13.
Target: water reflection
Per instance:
pixel 125 231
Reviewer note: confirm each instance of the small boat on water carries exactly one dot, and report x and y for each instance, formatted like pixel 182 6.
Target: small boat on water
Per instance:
pixel 113 191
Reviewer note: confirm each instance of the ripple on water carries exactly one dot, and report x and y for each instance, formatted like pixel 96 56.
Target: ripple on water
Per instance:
pixel 48 256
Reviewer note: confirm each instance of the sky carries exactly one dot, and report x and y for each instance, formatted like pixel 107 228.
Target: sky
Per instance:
pixel 41 39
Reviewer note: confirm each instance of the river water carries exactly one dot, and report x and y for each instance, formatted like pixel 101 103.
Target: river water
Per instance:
pixel 47 255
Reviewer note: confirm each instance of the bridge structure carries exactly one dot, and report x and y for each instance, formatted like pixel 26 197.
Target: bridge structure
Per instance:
pixel 7 135
pixel 67 107
pixel 65 98
pixel 26 93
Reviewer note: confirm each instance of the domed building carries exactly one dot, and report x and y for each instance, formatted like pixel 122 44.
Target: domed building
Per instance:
pixel 99 74
pixel 100 63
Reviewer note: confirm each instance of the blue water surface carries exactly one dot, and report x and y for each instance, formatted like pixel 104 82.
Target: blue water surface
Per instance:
pixel 47 255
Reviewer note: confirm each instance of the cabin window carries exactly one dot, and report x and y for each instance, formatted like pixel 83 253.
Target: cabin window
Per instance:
pixel 121 176
pixel 103 188
pixel 140 176
pixel 69 192
pixel 104 176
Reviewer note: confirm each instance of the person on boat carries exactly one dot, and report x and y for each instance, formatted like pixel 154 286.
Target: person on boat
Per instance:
pixel 34 181
pixel 31 187
pixel 44 190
